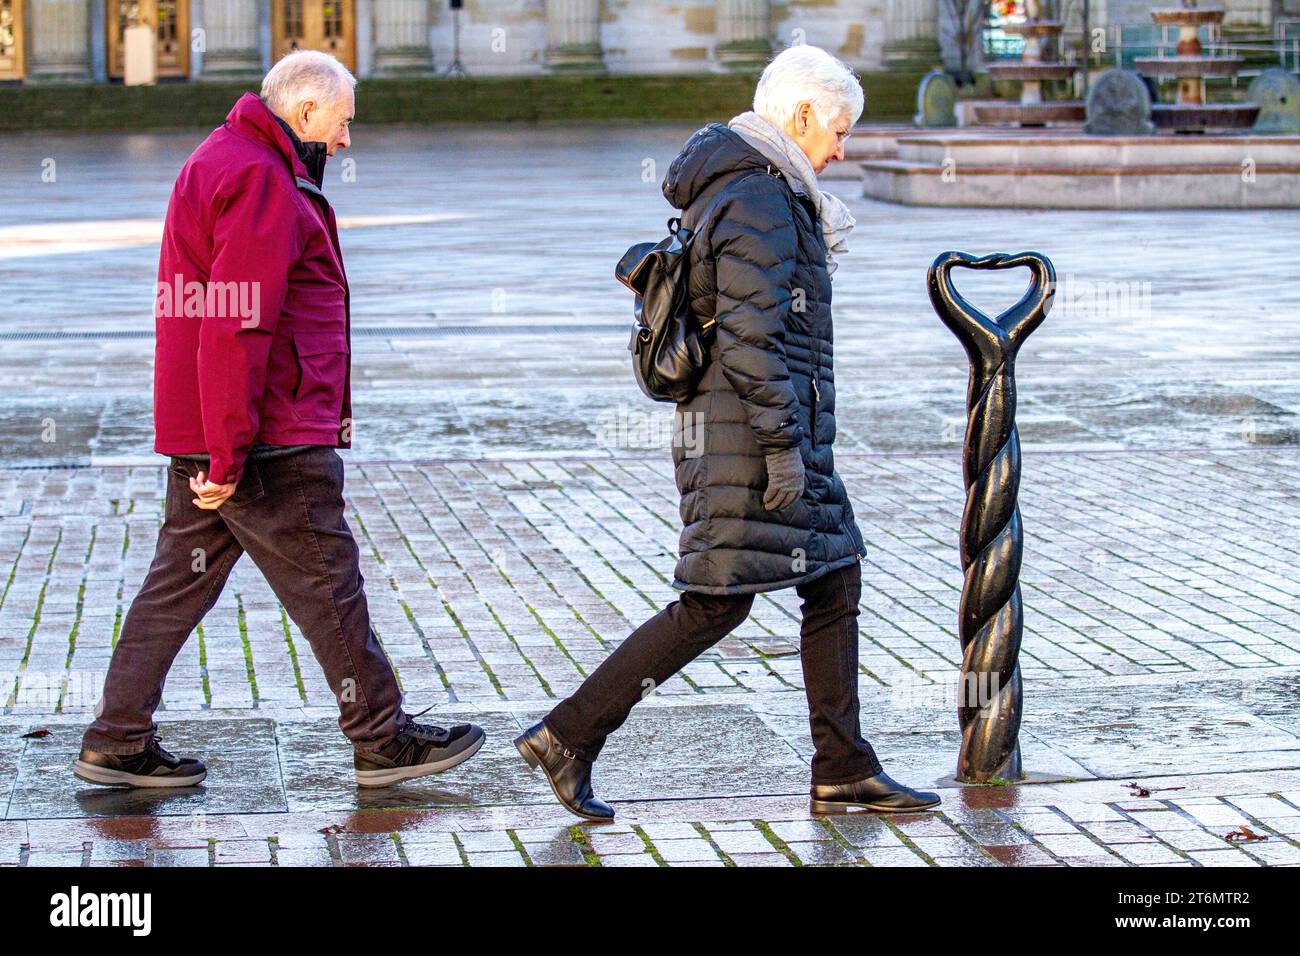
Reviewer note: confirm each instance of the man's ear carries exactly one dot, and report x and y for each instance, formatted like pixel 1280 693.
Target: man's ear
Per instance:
pixel 305 109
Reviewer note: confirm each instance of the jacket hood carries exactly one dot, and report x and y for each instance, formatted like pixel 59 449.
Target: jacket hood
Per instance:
pixel 716 150
pixel 253 119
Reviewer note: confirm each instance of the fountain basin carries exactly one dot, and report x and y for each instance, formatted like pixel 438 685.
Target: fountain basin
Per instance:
pixel 1030 71
pixel 1199 116
pixel 1034 28
pixel 1188 66
pixel 1029 114
pixel 1185 16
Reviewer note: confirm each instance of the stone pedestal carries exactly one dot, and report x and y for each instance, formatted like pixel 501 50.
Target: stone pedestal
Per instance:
pixel 573 37
pixel 230 38
pixel 59 41
pixel 401 38
pixel 744 34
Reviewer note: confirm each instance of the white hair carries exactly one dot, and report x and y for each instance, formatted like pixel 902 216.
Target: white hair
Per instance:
pixel 807 73
pixel 305 75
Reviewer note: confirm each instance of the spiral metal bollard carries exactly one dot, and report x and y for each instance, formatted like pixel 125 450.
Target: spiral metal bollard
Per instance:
pixel 990 620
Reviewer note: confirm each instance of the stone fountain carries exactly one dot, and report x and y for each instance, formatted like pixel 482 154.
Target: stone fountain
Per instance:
pixel 1131 156
pixel 1191 66
pixel 1032 71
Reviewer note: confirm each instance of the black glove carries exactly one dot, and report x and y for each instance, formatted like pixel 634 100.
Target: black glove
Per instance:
pixel 785 479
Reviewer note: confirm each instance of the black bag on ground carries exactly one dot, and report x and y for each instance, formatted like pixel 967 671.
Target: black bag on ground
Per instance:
pixel 670 350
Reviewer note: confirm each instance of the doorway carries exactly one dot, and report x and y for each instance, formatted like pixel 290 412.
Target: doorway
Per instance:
pixel 171 22
pixel 326 25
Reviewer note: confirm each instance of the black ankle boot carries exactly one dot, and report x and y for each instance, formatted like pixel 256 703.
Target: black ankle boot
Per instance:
pixel 568 774
pixel 878 793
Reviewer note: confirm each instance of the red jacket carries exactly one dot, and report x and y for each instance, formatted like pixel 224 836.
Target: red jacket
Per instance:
pixel 251 312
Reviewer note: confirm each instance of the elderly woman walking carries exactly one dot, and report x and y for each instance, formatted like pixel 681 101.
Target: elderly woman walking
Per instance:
pixel 762 506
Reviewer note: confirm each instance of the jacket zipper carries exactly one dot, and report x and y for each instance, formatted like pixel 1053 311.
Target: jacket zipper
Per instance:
pixel 817 394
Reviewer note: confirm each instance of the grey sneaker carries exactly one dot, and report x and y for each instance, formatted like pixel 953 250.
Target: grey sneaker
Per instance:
pixel 151 767
pixel 417 751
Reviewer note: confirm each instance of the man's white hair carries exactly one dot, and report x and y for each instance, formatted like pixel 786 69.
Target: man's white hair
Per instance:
pixel 807 73
pixel 305 75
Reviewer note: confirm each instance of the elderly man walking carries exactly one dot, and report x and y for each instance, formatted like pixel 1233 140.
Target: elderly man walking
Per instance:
pixel 762 505
pixel 251 399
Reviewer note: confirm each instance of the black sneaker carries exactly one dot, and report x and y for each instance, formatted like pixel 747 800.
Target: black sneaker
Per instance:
pixel 417 751
pixel 151 767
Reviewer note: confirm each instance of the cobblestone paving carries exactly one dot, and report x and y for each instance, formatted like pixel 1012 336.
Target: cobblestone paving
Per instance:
pixel 514 503
pixel 1076 825
pixel 509 581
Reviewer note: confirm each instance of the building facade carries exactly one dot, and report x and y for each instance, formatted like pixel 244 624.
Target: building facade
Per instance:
pixel 81 41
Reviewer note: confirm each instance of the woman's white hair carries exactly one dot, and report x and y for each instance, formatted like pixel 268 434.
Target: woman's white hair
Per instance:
pixel 807 73
pixel 305 75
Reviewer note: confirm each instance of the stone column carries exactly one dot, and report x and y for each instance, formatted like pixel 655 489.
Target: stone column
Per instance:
pixel 744 34
pixel 1256 13
pixel 265 41
pixel 59 41
pixel 913 30
pixel 401 37
pixel 230 40
pixel 573 37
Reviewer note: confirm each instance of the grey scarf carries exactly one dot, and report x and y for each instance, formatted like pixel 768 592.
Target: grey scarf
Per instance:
pixel 776 145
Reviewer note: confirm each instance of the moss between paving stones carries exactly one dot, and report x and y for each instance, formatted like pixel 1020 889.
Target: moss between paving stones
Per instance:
pixel 890 96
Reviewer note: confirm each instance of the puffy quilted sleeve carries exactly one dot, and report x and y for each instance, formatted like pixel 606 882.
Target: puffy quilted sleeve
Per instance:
pixel 754 245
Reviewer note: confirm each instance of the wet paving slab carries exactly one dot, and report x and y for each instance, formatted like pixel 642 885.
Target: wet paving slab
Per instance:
pixel 1272 697
pixel 1115 734
pixel 1225 817
pixel 240 753
pixel 660 753
pixel 11 749
pixel 923 758
pixel 678 750
pixel 711 750
pixel 317 768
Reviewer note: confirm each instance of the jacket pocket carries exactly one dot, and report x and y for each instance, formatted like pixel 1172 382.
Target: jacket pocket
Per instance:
pixel 322 371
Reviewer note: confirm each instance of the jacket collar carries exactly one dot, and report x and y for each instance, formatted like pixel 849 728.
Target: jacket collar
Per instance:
pixel 311 154
pixel 252 119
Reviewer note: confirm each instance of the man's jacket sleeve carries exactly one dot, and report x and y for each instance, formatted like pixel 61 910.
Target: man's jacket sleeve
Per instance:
pixel 255 243
pixel 755 249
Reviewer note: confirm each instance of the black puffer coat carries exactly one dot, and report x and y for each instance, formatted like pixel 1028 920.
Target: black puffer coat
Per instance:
pixel 757 265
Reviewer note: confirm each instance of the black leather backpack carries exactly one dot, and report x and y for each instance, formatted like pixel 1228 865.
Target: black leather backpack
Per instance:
pixel 670 349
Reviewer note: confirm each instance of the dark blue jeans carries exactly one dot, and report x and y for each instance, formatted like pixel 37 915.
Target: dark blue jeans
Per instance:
pixel 689 626
pixel 287 513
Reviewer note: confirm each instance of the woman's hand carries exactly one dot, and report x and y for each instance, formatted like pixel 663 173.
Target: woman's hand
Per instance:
pixel 785 479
